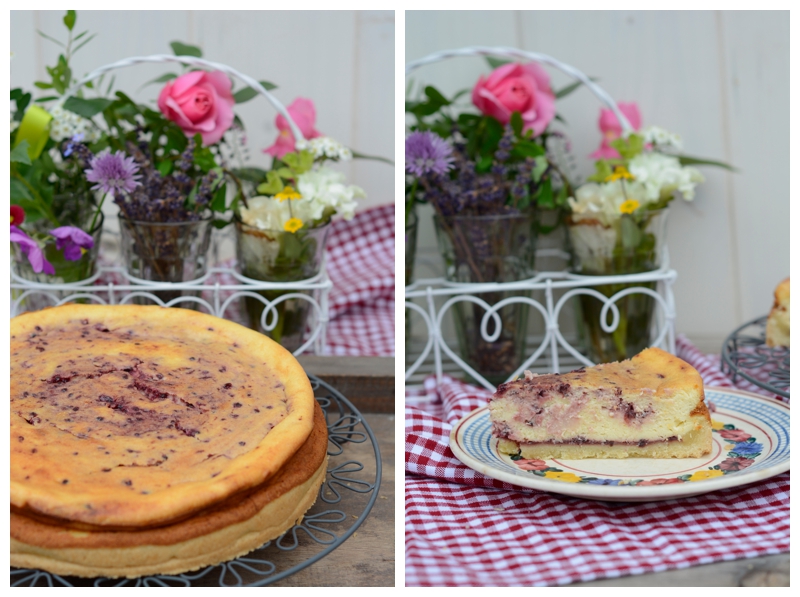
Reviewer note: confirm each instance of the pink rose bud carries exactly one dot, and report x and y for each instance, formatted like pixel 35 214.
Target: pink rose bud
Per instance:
pixel 523 88
pixel 199 102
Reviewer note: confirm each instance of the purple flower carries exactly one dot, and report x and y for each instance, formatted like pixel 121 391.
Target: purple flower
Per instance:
pixel 72 240
pixel 33 251
pixel 747 449
pixel 427 152
pixel 113 172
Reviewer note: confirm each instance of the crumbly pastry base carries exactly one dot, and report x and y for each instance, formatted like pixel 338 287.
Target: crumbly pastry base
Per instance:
pixel 208 539
pixel 693 445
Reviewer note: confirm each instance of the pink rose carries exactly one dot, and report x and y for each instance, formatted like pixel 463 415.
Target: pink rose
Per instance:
pixel 612 129
pixel 199 102
pixel 304 115
pixel 523 88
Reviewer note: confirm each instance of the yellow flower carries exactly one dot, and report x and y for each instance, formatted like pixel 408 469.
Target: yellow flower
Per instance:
pixel 620 172
pixel 288 193
pixel 629 206
pixel 568 477
pixel 717 424
pixel 703 475
pixel 293 225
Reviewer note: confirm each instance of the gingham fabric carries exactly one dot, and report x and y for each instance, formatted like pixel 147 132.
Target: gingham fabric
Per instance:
pixel 360 263
pixel 465 529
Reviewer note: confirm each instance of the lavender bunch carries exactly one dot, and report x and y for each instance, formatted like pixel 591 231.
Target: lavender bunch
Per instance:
pixel 180 196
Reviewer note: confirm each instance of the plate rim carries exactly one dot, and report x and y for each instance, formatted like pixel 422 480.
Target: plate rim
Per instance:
pixel 621 493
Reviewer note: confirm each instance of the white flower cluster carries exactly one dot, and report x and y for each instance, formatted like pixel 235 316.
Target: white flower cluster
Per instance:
pixel 656 177
pixel 662 175
pixel 326 147
pixel 323 192
pixel 66 124
pixel 661 139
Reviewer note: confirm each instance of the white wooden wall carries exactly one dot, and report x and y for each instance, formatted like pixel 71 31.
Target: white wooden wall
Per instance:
pixel 720 79
pixel 342 60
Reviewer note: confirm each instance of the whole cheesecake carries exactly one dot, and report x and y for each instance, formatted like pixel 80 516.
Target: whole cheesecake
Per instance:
pixel 651 406
pixel 134 422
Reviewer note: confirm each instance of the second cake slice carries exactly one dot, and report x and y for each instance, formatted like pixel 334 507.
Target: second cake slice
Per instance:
pixel 650 406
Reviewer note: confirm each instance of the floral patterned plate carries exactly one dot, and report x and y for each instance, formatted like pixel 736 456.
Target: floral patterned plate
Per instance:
pixel 751 443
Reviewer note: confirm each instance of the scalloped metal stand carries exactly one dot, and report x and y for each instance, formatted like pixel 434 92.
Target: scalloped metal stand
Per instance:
pixel 322 527
pixel 553 343
pixel 745 354
pixel 221 296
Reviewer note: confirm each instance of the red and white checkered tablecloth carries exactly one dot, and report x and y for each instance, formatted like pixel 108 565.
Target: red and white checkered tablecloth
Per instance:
pixel 360 263
pixel 466 529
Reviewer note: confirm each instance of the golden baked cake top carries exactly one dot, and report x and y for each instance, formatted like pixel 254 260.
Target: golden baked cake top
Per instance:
pixel 653 371
pixel 125 416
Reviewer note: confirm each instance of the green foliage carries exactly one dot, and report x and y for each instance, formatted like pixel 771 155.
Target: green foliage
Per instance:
pixel 686 160
pixel 182 49
pixel 245 94
pixel 69 19
pixel 496 62
pixel 20 153
pixel 628 147
pixel 602 170
pixel 86 107
pixel 273 186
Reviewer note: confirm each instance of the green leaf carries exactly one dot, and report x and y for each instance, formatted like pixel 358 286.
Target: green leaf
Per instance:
pixel 219 224
pixel 435 96
pixel 561 198
pixel 164 167
pixel 55 41
pixel 80 35
pixel 251 174
pixel 182 49
pixel 244 95
pixel 86 107
pixel 493 132
pixel 544 198
pixel 69 19
pixel 46 98
pixel 43 85
pixel 565 91
pixel 20 153
pixel 300 161
pixel 526 148
pixel 628 147
pixel 162 79
pixel 377 158
pixel 218 202
pixel 484 165
pixel 496 62
pixel 630 233
pixel 686 160
pixel 517 123
pixel 602 170
pixel 84 42
pixel 273 186
pixel 540 165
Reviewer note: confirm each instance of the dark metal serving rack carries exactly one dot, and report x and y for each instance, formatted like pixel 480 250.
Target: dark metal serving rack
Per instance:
pixel 348 485
pixel 745 354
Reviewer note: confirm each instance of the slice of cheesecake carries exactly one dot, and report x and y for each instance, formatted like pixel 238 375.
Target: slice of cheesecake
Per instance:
pixel 650 406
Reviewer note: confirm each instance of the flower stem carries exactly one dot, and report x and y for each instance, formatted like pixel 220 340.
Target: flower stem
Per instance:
pixel 97 213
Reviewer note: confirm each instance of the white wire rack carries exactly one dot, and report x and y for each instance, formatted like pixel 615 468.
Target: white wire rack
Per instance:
pixel 435 290
pixel 218 292
pixel 221 288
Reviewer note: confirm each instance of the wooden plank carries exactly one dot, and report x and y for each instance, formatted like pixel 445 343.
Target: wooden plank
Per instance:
pixel 368 382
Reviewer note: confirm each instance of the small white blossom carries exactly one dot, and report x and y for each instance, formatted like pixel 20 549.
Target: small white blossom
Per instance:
pixel 323 193
pixel 325 148
pixel 66 124
pixel 662 175
pixel 662 139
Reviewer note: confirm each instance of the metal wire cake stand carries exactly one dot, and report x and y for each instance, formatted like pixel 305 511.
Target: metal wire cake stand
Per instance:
pixel 345 499
pixel 745 354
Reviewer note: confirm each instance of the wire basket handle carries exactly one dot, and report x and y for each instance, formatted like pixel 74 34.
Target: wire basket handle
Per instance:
pixel 191 61
pixel 515 53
